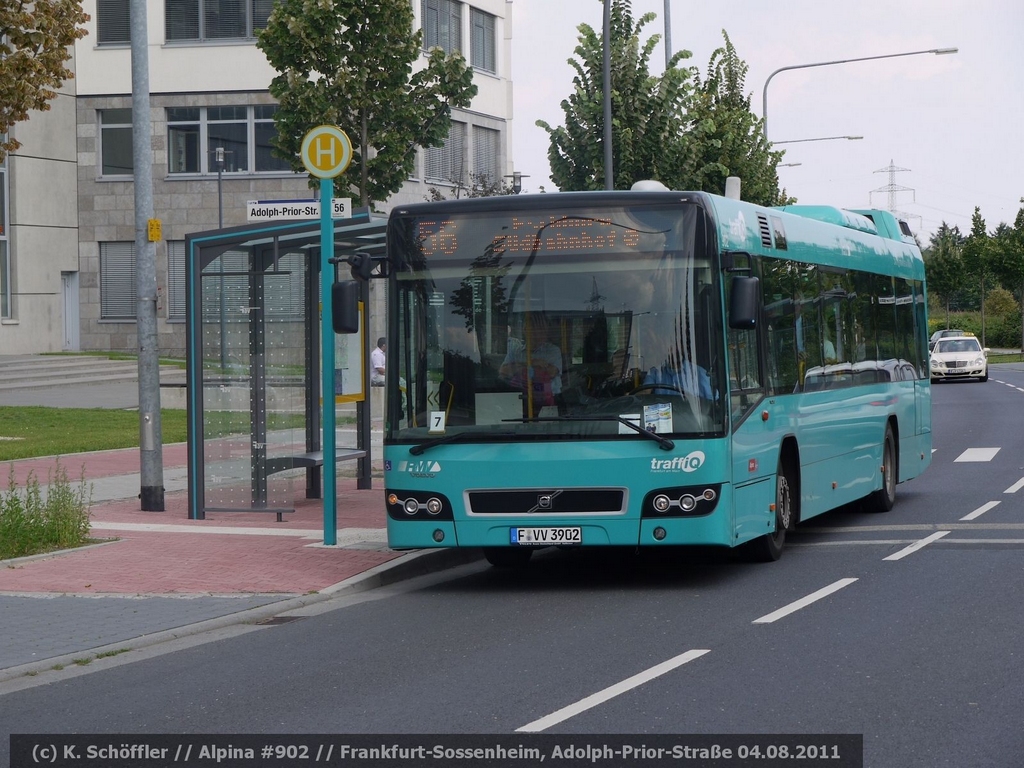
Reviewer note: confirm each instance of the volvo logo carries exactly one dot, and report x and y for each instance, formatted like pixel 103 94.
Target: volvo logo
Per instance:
pixel 545 501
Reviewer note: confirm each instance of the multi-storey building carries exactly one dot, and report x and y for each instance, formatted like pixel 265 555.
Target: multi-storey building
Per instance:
pixel 67 261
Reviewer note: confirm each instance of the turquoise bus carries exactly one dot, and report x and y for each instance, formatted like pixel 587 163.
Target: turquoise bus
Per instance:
pixel 646 368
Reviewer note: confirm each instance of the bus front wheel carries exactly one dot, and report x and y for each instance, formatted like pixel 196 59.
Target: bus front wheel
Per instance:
pixel 507 557
pixel 768 548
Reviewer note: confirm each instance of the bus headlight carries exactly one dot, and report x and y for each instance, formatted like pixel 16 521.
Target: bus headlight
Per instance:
pixel 433 505
pixel 662 503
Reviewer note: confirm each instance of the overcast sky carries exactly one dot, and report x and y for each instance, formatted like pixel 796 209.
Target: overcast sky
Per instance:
pixel 954 122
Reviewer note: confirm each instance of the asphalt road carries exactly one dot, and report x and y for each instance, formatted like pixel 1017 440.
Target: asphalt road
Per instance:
pixel 904 627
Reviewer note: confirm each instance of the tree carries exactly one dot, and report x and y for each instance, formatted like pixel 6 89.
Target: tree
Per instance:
pixel 976 250
pixel 1008 258
pixel 349 63
pixel 650 139
pixel 480 185
pixel 673 128
pixel 731 137
pixel 35 40
pixel 944 266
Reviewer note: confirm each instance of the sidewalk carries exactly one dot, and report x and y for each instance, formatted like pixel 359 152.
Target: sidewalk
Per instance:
pixel 232 567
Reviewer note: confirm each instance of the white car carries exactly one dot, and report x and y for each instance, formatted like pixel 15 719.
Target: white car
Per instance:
pixel 959 357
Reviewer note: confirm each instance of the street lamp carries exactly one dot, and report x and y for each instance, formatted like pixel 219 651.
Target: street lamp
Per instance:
pixel 764 94
pixel 823 138
pixel 218 158
pixel 517 181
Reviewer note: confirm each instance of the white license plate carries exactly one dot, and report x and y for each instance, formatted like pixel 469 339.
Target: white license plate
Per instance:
pixel 546 536
pixel 957 370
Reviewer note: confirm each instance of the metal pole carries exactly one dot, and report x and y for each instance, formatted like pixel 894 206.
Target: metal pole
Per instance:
pixel 668 34
pixel 218 156
pixel 327 361
pixel 609 176
pixel 150 434
pixel 764 93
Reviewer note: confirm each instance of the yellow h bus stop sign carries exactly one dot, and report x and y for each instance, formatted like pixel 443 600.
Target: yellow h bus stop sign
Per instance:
pixel 326 151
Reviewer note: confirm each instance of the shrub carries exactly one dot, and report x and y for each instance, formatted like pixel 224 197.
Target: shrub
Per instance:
pixel 31 524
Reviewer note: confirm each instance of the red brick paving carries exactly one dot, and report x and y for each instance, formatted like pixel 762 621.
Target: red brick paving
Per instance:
pixel 197 561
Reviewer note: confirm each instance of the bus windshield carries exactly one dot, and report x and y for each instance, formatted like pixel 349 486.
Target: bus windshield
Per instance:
pixel 543 324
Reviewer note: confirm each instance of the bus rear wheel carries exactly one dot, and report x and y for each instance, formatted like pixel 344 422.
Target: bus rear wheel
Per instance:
pixel 768 548
pixel 508 557
pixel 884 498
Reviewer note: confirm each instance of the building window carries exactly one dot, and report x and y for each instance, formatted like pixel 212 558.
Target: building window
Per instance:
pixel 244 133
pixel 447 162
pixel 487 154
pixel 197 20
pixel 5 263
pixel 175 279
pixel 482 53
pixel 117 281
pixel 113 22
pixel 442 25
pixel 116 142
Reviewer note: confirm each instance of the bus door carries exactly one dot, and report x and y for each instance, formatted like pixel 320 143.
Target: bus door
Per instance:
pixel 753 443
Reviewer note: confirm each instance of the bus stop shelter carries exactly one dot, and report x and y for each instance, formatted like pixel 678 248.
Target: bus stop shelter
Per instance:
pixel 253 364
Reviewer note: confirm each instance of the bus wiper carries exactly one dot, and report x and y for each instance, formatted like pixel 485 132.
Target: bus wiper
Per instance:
pixel 663 442
pixel 416 450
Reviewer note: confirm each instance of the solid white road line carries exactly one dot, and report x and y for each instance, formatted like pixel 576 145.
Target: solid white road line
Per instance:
pixel 608 693
pixel 1015 487
pixel 977 454
pixel 916 546
pixel 980 510
pixel 803 602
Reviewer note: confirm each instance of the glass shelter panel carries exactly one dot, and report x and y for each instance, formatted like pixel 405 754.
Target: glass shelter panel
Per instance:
pixel 254 341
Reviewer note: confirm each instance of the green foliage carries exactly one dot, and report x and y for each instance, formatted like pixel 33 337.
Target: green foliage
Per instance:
pixel 350 63
pixel 649 131
pixel 35 40
pixel 480 185
pixel 944 268
pixel 732 140
pixel 673 128
pixel 999 303
pixel 30 523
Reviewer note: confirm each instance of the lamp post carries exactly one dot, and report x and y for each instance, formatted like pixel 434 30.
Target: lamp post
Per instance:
pixel 218 158
pixel 764 94
pixel 609 175
pixel 517 181
pixel 823 138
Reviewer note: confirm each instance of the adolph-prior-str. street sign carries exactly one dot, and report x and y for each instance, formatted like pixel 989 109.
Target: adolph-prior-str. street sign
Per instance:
pixel 273 210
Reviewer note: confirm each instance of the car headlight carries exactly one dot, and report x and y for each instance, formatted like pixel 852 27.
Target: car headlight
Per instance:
pixel 980 361
pixel 936 363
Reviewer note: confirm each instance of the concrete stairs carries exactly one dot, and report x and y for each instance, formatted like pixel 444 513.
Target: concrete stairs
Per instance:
pixel 19 372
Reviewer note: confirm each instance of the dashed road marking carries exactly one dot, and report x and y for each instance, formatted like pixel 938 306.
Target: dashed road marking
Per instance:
pixel 916 546
pixel 980 510
pixel 611 692
pixel 1015 487
pixel 803 602
pixel 977 454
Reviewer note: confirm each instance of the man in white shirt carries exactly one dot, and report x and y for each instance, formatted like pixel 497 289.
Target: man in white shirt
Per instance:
pixel 377 363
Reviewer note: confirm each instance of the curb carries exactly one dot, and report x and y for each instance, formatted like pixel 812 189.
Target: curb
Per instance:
pixel 415 563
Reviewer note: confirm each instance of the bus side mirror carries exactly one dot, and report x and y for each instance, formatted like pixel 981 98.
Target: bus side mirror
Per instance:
pixel 743 302
pixel 345 307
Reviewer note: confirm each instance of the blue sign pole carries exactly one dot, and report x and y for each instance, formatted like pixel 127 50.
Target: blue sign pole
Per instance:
pixel 326 153
pixel 327 358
